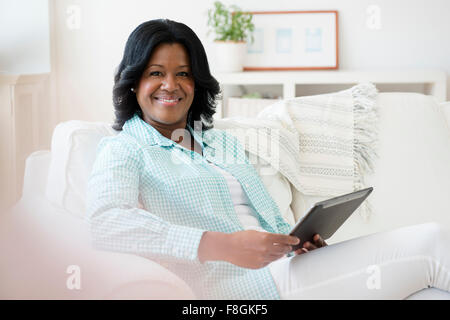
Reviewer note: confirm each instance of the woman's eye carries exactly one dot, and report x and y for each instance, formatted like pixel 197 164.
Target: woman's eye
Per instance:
pixel 183 74
pixel 155 73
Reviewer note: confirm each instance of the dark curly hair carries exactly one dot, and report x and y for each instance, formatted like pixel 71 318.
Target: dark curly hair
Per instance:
pixel 138 49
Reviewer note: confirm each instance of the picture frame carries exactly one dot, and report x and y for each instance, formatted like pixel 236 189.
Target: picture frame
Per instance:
pixel 293 40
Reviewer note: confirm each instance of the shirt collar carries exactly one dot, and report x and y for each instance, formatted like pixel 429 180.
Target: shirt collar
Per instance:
pixel 144 132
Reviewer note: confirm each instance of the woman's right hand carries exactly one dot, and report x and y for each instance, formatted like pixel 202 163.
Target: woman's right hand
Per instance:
pixel 248 249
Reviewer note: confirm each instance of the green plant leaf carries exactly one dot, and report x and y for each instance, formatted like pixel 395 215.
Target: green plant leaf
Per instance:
pixel 230 23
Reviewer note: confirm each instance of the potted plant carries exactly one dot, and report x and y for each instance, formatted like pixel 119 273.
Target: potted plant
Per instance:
pixel 232 28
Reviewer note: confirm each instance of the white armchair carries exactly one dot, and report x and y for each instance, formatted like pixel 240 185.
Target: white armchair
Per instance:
pixel 46 254
pixel 45 249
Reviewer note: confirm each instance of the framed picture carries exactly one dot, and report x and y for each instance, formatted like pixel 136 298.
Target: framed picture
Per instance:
pixel 293 40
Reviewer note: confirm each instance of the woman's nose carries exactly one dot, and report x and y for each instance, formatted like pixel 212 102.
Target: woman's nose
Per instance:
pixel 169 83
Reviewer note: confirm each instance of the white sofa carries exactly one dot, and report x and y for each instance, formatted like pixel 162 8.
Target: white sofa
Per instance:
pixel 45 249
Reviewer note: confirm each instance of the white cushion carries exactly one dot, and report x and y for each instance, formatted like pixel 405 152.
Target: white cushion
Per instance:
pixel 74 145
pixel 412 174
pixel 278 187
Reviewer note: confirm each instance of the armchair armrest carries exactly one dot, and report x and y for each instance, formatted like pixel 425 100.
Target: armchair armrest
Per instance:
pixel 45 253
pixel 35 175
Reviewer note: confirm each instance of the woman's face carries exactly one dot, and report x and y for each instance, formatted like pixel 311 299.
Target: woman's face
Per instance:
pixel 166 89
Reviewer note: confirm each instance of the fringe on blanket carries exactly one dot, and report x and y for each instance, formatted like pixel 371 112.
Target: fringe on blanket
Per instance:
pixel 365 138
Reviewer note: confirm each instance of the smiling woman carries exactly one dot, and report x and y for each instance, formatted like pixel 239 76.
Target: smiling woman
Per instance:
pixel 164 60
pixel 166 196
pixel 196 204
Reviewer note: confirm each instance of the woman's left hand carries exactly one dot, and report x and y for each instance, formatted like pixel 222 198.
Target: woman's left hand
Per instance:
pixel 317 242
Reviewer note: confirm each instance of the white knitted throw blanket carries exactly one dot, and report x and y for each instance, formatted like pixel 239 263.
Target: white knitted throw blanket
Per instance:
pixel 323 144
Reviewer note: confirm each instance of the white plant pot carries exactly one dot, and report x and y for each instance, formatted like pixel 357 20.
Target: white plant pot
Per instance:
pixel 230 55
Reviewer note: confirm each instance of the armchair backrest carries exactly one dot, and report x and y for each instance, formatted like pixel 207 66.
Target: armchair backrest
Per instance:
pixel 74 145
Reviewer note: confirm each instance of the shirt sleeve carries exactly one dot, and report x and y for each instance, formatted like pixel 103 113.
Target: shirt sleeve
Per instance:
pixel 116 222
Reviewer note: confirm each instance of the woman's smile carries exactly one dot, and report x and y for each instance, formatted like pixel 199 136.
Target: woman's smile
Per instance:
pixel 167 101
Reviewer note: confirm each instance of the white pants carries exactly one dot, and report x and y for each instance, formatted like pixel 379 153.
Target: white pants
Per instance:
pixel 387 265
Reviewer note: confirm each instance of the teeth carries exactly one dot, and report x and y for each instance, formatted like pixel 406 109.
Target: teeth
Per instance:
pixel 169 101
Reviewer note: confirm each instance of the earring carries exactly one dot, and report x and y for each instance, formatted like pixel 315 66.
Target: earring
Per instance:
pixel 132 89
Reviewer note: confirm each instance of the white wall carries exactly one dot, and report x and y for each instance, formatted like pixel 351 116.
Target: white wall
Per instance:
pixel 88 49
pixel 24 36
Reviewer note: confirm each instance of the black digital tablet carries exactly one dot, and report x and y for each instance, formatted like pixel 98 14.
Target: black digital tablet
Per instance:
pixel 327 216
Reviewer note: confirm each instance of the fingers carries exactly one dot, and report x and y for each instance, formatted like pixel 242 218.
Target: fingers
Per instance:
pixel 280 249
pixel 283 239
pixel 301 251
pixel 309 246
pixel 269 247
pixel 292 240
pixel 318 241
pixel 280 245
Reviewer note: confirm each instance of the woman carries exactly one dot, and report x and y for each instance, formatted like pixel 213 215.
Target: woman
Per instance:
pixel 191 200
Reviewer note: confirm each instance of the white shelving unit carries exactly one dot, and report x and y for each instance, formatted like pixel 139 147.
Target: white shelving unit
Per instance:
pixel 435 82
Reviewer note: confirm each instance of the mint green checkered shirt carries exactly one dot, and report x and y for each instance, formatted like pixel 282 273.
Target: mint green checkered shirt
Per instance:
pixel 182 197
